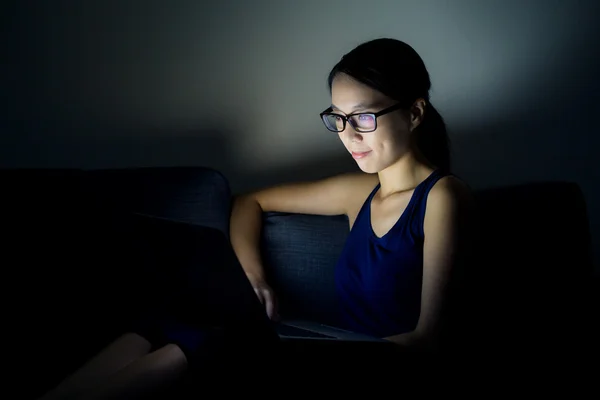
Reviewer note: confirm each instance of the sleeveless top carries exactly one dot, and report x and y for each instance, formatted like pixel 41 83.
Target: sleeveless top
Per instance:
pixel 378 279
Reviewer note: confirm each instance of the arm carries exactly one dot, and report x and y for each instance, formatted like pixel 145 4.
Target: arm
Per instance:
pixel 332 196
pixel 448 233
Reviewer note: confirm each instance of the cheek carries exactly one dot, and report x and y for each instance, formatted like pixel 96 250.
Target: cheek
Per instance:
pixel 398 136
pixel 392 143
pixel 383 139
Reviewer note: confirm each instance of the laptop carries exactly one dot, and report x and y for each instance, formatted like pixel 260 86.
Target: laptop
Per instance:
pixel 222 292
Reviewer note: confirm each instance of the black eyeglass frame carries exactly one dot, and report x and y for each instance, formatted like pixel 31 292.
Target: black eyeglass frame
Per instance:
pixel 346 118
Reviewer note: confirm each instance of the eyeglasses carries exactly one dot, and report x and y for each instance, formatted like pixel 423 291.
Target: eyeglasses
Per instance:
pixel 361 122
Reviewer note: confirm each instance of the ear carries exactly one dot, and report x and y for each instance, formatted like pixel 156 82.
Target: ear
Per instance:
pixel 417 112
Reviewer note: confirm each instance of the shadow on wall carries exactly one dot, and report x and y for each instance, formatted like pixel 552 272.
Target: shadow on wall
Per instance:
pixel 117 148
pixel 528 151
pixel 550 136
pixel 316 169
pixel 163 148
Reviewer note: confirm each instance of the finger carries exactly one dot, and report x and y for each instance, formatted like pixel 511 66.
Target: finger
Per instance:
pixel 258 292
pixel 269 303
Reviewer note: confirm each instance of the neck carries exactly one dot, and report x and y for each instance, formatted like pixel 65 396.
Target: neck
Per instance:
pixel 404 174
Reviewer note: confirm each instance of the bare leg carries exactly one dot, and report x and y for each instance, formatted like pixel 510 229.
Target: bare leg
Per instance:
pixel 113 358
pixel 143 376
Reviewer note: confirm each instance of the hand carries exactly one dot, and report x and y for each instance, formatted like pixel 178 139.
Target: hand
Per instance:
pixel 265 295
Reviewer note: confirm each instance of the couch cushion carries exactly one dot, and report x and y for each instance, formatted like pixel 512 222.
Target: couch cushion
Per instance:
pixel 540 227
pixel 534 256
pixel 300 252
pixel 195 195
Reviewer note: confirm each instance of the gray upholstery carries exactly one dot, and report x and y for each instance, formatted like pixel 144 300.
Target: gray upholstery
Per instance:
pixel 300 252
pixel 195 195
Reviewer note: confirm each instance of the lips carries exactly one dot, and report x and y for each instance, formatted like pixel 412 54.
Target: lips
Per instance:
pixel 360 154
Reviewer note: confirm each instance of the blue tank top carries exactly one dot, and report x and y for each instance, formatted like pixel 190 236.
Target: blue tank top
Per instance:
pixel 378 279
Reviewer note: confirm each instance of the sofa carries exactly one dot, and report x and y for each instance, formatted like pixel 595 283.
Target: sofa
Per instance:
pixel 71 292
pixel 531 288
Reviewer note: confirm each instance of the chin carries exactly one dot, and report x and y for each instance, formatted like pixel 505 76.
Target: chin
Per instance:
pixel 367 168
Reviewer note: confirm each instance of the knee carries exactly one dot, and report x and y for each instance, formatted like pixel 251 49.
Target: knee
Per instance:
pixel 135 343
pixel 173 357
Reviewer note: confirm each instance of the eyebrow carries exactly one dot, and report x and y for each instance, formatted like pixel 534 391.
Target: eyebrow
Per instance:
pixel 357 107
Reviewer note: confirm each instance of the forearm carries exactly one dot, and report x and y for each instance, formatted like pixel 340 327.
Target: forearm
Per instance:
pixel 404 339
pixel 413 340
pixel 245 230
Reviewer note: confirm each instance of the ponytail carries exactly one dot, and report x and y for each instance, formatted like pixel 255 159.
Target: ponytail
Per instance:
pixel 432 139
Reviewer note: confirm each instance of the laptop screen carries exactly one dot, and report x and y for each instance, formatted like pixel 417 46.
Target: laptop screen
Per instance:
pixel 210 286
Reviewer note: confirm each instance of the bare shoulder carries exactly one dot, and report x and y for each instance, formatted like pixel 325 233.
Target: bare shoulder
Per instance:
pixel 352 188
pixel 358 187
pixel 450 192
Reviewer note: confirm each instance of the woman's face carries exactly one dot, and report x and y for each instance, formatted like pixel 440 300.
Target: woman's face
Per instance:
pixel 377 150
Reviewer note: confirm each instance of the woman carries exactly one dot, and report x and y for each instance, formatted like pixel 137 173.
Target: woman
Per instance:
pixel 407 218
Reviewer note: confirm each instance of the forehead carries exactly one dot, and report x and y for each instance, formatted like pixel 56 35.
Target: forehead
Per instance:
pixel 348 95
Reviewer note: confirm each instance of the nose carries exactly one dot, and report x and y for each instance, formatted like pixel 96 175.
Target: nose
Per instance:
pixel 351 134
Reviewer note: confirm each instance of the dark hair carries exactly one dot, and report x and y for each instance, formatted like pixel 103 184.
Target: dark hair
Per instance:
pixel 395 69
